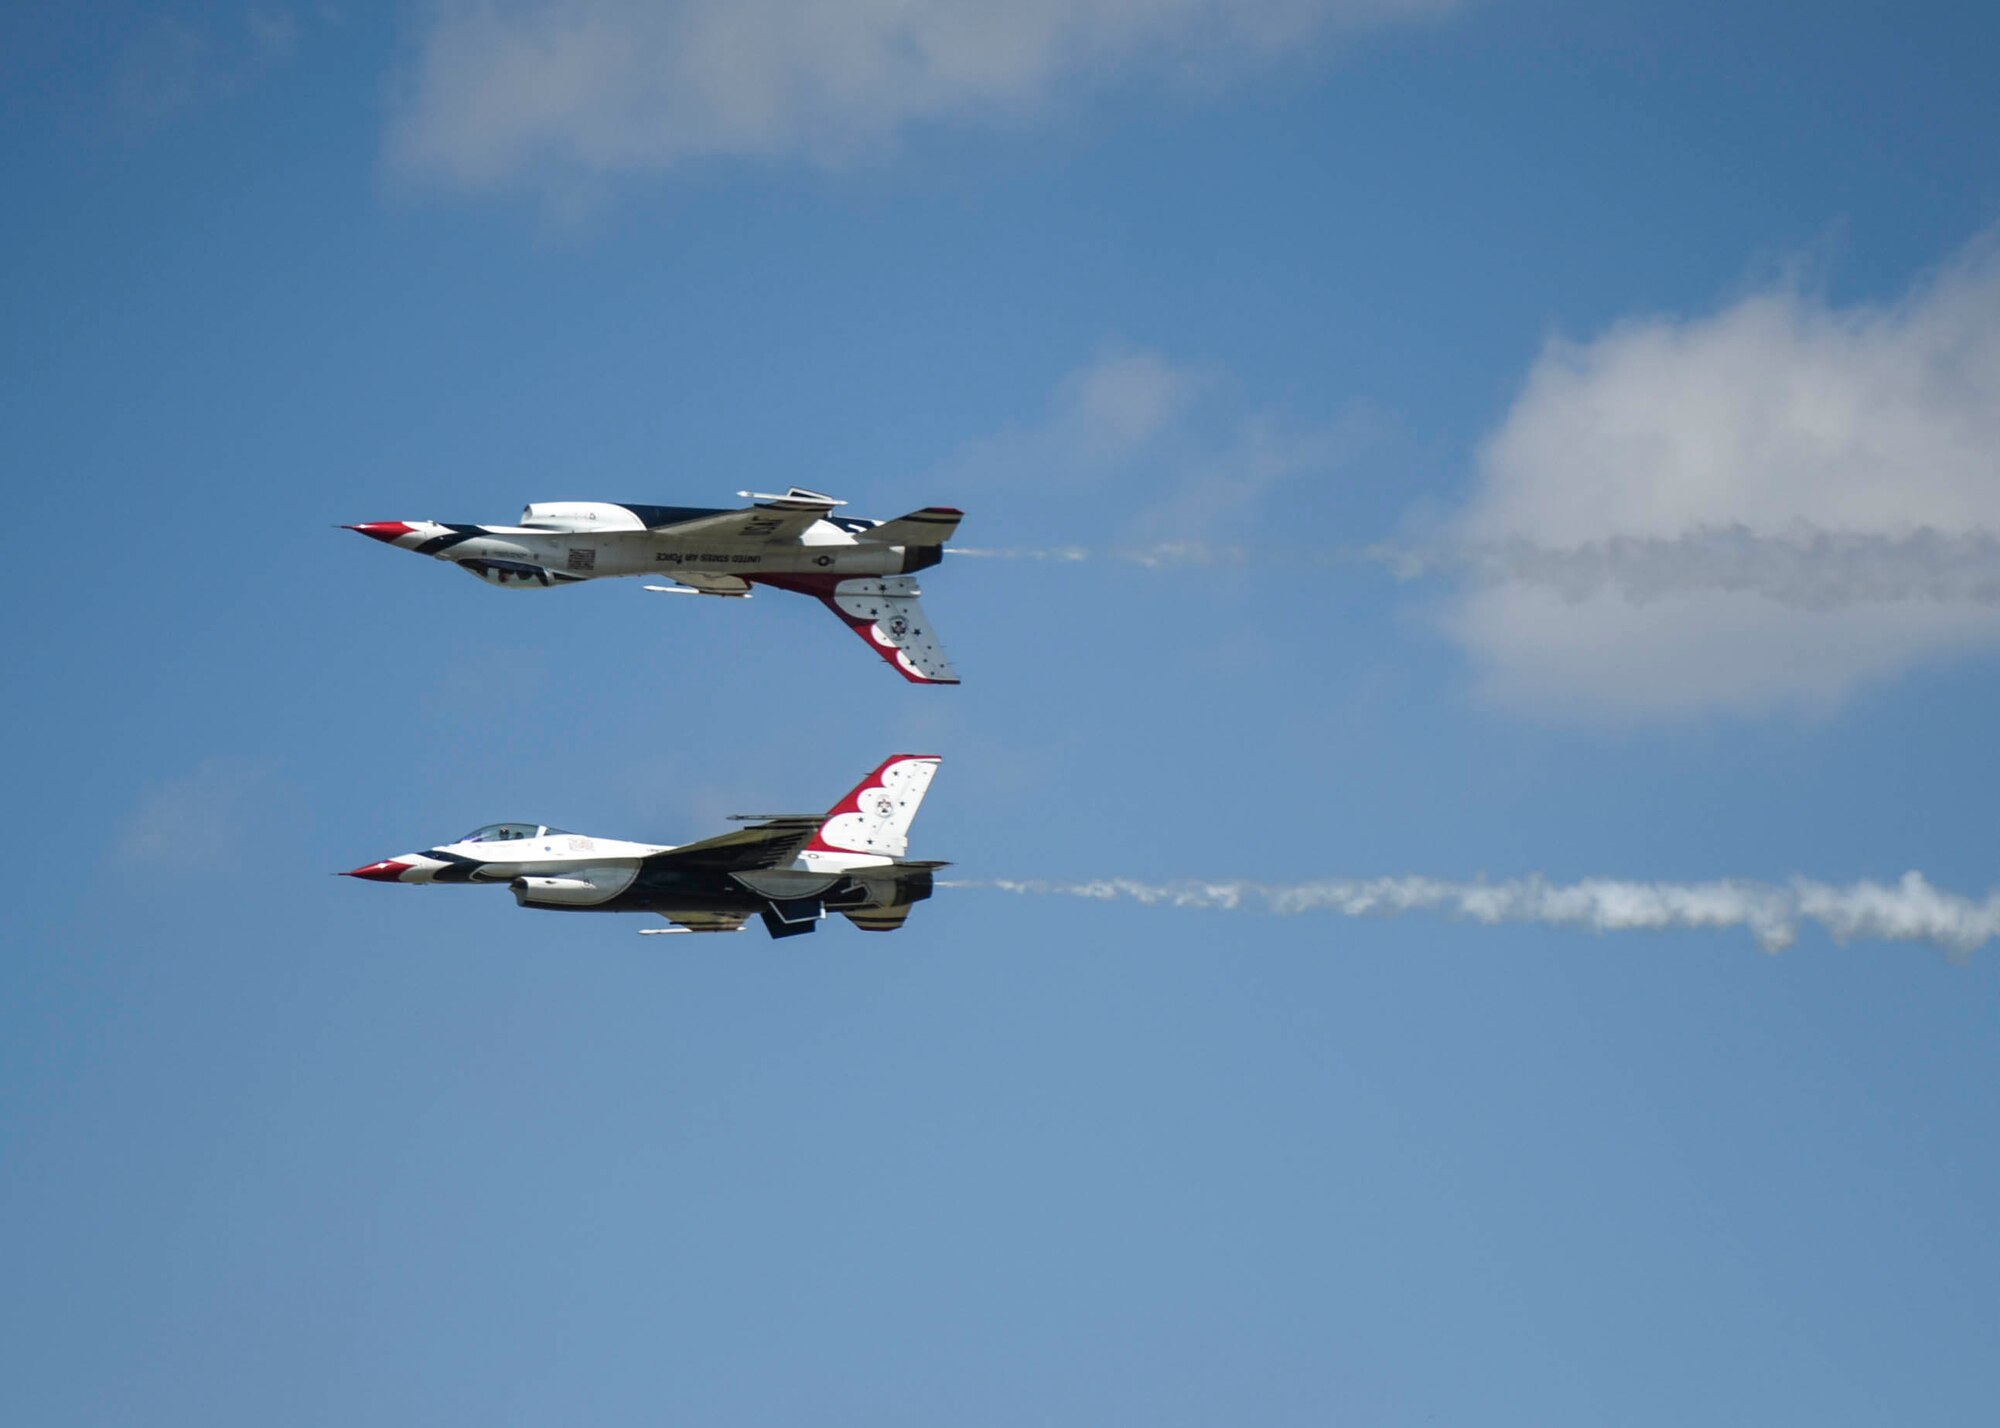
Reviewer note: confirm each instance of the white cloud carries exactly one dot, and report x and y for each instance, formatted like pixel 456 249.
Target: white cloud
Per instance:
pixel 1162 453
pixel 1123 400
pixel 169 65
pixel 546 88
pixel 200 822
pixel 1124 410
pixel 1777 416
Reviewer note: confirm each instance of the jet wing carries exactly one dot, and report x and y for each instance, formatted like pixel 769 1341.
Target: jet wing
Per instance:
pixel 768 844
pixel 774 520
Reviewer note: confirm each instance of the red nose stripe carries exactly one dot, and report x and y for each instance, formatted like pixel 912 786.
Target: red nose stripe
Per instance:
pixel 385 872
pixel 383 530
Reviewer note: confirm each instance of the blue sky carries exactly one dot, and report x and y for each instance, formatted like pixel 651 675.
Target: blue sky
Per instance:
pixel 1700 300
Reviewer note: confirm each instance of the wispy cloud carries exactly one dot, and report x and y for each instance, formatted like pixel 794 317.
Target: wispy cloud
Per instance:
pixel 505 93
pixel 171 64
pixel 1767 505
pixel 1909 910
pixel 200 822
pixel 1166 452
pixel 1763 507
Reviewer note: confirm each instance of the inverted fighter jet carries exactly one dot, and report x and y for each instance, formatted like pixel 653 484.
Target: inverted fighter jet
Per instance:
pixel 786 869
pixel 860 570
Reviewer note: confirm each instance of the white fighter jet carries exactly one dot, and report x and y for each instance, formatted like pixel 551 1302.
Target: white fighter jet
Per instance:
pixel 861 570
pixel 787 869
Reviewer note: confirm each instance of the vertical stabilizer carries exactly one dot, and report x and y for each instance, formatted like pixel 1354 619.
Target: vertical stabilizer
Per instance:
pixel 884 611
pixel 872 824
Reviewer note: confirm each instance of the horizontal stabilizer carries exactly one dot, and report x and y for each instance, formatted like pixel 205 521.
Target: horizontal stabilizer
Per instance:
pixel 933 525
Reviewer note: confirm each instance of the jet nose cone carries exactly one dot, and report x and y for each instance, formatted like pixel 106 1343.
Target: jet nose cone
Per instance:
pixel 382 530
pixel 389 870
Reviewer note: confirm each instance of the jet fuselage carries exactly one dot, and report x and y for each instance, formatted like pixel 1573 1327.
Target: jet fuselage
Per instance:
pixel 859 569
pixel 589 546
pixel 567 872
pixel 790 870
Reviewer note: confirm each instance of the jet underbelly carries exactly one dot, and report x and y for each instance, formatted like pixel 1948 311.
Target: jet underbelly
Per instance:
pixel 566 884
pixel 838 554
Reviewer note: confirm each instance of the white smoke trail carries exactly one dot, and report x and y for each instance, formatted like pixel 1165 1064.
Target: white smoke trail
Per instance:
pixel 1059 554
pixel 1805 567
pixel 1159 556
pixel 1909 911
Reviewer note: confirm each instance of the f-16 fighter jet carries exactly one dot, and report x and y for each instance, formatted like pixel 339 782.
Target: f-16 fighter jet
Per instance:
pixel 860 570
pixel 787 869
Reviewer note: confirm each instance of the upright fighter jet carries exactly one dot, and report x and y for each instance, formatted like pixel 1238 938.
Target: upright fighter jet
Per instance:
pixel 787 869
pixel 860 570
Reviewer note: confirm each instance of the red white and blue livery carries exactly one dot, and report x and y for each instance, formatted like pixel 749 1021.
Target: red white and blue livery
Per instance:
pixel 789 870
pixel 863 571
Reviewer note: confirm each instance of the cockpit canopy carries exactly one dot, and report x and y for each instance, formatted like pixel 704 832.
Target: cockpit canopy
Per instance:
pixel 504 833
